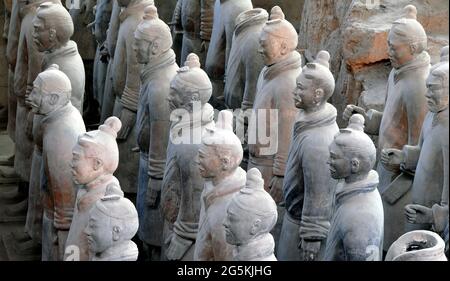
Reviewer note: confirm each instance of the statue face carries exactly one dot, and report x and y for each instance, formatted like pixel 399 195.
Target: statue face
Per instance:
pixel 35 99
pixel 176 99
pixel 43 37
pixel 399 52
pixel 99 231
pixel 437 96
pixel 304 93
pixel 340 165
pixel 84 169
pixel 142 50
pixel 208 162
pixel 270 48
pixel 238 226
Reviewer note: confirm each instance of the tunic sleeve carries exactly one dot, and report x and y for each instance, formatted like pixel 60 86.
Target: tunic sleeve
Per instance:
pixel 373 121
pixel 206 19
pixel 130 96
pixel 319 190
pixel 440 212
pixel 171 190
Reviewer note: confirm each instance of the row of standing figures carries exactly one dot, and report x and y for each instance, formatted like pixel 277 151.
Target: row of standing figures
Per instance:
pixel 310 193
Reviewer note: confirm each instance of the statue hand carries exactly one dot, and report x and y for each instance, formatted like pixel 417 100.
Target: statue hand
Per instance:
pixel 309 249
pixel 151 195
pixel 276 188
pixel 128 119
pixel 391 158
pixel 418 214
pixel 353 109
pixel 204 47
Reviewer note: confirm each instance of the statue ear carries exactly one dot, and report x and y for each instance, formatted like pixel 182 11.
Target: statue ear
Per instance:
pixel 195 97
pixel 225 162
pixel 355 165
pixel 52 34
pixel 283 48
pixel 256 226
pixel 116 233
pixel 318 95
pixel 97 164
pixel 53 99
pixel 155 47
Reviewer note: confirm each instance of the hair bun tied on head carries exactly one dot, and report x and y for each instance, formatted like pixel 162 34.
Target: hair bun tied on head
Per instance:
pixel 276 13
pixel 323 58
pixel 225 120
pixel 410 12
pixel 111 126
pixel 192 61
pixel 53 66
pixel 356 122
pixel 151 13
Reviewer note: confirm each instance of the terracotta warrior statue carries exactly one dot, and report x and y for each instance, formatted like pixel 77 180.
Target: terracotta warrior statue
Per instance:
pixel 417 245
pixel 112 223
pixel 225 14
pixel 429 159
pixel 103 11
pixel 308 187
pixel 276 83
pixel 95 157
pixel 11 57
pixel 219 157
pixel 12 49
pixel 356 232
pixel 82 17
pixel 126 86
pixel 194 19
pixel 153 49
pixel 182 182
pixel 251 215
pixel 28 66
pixel 245 62
pixel 58 49
pixel 108 55
pixel 61 125
pixel 400 122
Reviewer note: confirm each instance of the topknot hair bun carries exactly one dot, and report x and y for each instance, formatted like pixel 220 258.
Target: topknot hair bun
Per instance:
pixel 111 126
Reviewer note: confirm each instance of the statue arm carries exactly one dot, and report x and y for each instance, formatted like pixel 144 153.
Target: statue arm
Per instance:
pixel 159 135
pixel 440 212
pixel 253 66
pixel 60 179
pixel 113 29
pixel 286 117
pixel 171 191
pixel 120 69
pixel 373 121
pixel 416 109
pixel 206 19
pixel 13 36
pixel 130 95
pixel 319 191
pixel 176 17
pixel 411 154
